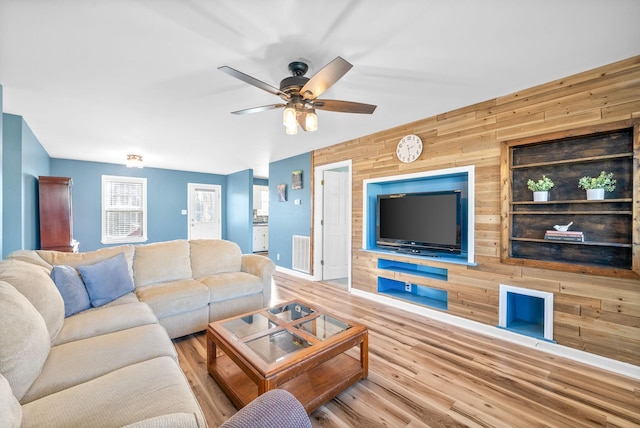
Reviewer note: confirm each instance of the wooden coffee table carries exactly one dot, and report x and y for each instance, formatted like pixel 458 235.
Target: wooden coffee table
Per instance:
pixel 294 346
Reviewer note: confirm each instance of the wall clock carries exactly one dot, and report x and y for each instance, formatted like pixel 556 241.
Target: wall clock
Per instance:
pixel 409 148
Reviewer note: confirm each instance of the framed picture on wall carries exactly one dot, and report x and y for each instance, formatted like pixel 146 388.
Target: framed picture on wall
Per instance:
pixel 282 192
pixel 296 180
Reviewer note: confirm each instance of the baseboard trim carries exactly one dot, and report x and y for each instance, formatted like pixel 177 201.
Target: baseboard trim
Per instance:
pixel 598 361
pixel 295 273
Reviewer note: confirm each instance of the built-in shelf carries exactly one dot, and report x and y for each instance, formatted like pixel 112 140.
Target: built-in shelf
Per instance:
pixel 416 293
pixel 574 201
pixel 575 160
pixel 608 225
pixel 414 269
pixel 527 312
pixel 596 243
pixel 420 294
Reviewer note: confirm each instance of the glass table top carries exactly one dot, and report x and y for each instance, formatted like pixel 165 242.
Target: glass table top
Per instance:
pixel 275 346
pixel 247 325
pixel 280 331
pixel 323 326
pixel 291 311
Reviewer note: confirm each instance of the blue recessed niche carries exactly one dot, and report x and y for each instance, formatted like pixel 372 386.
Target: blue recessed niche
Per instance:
pixel 527 312
pixel 460 178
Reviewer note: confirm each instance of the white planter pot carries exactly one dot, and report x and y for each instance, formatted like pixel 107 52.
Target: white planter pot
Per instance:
pixel 595 194
pixel 540 196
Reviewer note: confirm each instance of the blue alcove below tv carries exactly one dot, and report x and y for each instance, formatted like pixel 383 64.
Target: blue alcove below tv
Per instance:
pixel 444 180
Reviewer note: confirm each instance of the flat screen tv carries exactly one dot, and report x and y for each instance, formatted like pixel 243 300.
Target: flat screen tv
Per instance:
pixel 420 222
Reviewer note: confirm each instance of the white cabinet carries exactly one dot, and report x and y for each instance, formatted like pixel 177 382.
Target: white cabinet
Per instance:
pixel 260 238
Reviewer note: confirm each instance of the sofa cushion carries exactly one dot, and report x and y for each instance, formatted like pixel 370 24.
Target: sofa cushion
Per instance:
pixel 186 322
pixel 210 256
pixel 174 297
pixel 10 410
pixel 24 340
pixel 29 256
pixel 89 257
pixel 225 286
pixel 121 397
pixel 106 280
pixel 80 361
pixel 35 283
pixel 160 262
pixel 71 287
pixel 171 420
pixel 105 319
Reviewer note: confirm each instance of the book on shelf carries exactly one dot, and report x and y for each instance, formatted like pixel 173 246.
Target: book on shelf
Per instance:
pixel 574 236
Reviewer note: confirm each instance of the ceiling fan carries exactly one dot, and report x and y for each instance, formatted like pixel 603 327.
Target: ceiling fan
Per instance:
pixel 301 94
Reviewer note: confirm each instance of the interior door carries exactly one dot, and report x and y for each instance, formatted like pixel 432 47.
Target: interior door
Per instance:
pixel 204 211
pixel 336 220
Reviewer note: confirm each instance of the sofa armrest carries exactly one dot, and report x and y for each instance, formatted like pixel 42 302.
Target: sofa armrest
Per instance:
pixel 273 409
pixel 262 267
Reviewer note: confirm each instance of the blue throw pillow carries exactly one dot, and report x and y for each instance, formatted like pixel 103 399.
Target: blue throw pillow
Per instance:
pixel 107 280
pixel 74 294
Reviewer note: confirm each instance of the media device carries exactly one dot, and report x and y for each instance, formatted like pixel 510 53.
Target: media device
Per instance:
pixel 420 222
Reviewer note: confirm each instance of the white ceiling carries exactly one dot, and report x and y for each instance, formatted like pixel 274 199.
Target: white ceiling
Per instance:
pixel 97 79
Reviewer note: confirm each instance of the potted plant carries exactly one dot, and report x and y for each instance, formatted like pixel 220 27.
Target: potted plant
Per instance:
pixel 540 188
pixel 596 186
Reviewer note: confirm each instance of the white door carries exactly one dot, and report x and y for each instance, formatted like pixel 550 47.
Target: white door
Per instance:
pixel 335 219
pixel 204 211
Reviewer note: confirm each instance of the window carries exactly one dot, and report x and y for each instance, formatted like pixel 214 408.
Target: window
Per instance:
pixel 124 209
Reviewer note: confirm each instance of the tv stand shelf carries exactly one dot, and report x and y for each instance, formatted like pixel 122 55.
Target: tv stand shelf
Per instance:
pixel 432 272
pixel 415 293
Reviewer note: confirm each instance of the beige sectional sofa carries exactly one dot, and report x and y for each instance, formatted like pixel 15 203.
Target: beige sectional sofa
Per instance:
pixel 187 284
pixel 115 365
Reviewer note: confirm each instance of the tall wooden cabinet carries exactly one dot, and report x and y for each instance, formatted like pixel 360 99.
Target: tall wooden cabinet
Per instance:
pixel 56 219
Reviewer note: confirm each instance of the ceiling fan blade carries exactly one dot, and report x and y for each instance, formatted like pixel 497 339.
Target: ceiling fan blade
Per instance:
pixel 259 109
pixel 252 81
pixel 324 78
pixel 344 106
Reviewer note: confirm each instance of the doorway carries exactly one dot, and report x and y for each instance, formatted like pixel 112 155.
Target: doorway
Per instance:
pixel 204 211
pixel 332 224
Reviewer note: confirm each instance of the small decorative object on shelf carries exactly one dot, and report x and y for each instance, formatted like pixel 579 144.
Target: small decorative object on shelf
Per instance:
pixel 540 188
pixel 562 233
pixel 562 227
pixel 596 186
pixel 555 235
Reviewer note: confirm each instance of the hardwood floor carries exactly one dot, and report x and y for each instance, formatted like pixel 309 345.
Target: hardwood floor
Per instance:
pixel 424 373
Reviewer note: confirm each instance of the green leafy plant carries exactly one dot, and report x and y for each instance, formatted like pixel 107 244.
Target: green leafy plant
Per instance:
pixel 543 185
pixel 603 181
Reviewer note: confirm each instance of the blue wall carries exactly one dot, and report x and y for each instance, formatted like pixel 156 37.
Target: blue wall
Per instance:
pixel 286 218
pixel 240 209
pixel 260 181
pixel 166 198
pixel 23 160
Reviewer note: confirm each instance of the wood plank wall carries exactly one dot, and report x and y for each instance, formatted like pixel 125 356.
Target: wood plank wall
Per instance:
pixel 600 315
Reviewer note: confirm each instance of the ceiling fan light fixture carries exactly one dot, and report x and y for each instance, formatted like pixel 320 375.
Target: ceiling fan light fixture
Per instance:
pixel 134 161
pixel 301 94
pixel 311 120
pixel 292 130
pixel 289 116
